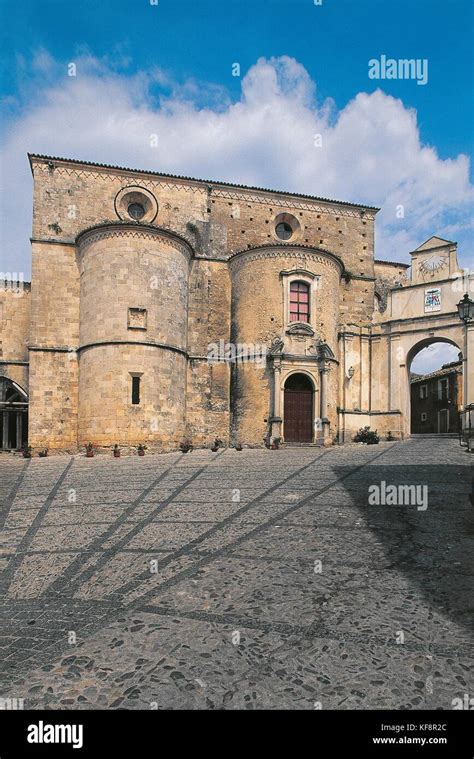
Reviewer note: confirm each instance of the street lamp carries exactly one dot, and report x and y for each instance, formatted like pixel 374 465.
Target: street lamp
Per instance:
pixel 466 314
pixel 350 372
pixel 466 309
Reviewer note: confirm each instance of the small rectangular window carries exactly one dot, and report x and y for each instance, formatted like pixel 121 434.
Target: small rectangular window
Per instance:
pixel 443 390
pixel 423 417
pixel 299 302
pixel 423 391
pixel 135 391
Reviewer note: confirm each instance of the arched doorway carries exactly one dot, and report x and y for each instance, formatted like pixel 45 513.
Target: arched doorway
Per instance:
pixel 298 409
pixel 13 415
pixel 435 375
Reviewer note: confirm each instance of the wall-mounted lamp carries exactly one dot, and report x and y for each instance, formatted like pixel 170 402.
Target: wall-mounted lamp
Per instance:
pixel 350 372
pixel 466 309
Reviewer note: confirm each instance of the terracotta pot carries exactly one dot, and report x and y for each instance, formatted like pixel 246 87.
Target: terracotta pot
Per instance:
pixel 141 453
pixel 89 454
pixel 116 454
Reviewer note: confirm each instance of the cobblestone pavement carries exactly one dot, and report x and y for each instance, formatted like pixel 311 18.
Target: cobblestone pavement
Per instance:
pixel 254 579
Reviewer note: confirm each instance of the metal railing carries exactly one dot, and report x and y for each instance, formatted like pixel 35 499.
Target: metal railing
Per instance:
pixel 466 428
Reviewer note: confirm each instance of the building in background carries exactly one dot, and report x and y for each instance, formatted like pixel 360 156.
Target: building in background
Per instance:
pixel 436 400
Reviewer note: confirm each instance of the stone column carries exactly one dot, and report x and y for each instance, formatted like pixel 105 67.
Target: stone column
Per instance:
pixel 468 365
pixel 323 434
pixel 5 440
pixel 19 428
pixel 276 418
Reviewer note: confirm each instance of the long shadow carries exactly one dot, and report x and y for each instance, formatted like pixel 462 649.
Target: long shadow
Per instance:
pixel 427 532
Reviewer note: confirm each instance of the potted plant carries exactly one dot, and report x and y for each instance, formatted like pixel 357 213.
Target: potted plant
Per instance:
pixel 367 436
pixel 238 447
pixel 216 444
pixel 90 450
pixel 141 449
pixel 276 442
pixel 27 452
pixel 390 437
pixel 116 451
pixel 185 445
pixel 42 454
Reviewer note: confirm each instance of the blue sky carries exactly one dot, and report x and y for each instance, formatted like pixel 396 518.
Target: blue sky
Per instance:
pixel 200 39
pixel 167 68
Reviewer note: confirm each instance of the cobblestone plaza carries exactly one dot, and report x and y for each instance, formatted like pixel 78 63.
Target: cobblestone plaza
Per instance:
pixel 238 580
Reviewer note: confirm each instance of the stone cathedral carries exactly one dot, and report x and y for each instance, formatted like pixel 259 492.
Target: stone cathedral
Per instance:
pixel 164 307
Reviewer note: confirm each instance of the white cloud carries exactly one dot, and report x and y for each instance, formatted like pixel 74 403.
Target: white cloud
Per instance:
pixel 433 357
pixel 371 150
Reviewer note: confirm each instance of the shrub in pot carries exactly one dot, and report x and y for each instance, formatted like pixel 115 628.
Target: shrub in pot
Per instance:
pixel 367 436
pixel 185 445
pixel 90 450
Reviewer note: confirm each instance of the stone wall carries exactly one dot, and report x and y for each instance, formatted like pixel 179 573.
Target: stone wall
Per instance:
pixel 208 387
pixel 53 340
pixel 15 314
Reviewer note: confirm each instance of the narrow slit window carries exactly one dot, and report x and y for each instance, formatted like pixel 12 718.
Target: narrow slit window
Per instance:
pixel 135 391
pixel 299 302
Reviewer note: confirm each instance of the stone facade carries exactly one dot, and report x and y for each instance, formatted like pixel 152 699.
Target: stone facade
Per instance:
pixel 161 308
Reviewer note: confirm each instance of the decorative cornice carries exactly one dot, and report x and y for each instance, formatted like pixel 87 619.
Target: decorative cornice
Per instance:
pixel 354 211
pixel 135 230
pixel 145 343
pixel 276 250
pixel 226 189
pixel 300 328
pixel 102 343
pixel 298 272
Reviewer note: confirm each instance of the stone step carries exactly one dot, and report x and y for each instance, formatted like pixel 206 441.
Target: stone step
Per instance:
pixel 428 435
pixel 301 445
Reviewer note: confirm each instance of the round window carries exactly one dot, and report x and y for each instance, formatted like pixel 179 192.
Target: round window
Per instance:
pixel 283 230
pixel 136 211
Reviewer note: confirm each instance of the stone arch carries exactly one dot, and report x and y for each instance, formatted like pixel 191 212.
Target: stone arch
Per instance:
pixel 298 370
pixel 412 353
pixel 13 415
pixel 425 343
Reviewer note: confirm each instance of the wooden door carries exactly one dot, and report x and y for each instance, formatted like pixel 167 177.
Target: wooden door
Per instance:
pixel 298 410
pixel 444 420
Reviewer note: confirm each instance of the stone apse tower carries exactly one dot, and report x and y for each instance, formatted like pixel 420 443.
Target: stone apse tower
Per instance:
pixel 165 307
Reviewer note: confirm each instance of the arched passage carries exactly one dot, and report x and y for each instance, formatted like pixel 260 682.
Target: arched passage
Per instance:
pixel 13 415
pixel 435 386
pixel 298 409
